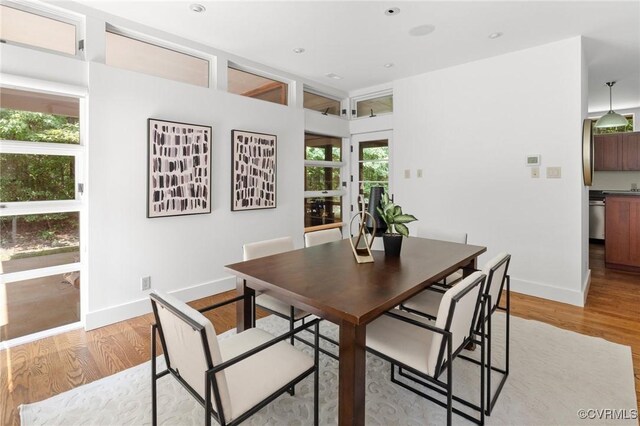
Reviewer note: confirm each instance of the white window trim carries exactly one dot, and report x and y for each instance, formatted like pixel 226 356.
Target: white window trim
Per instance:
pixel 320 163
pixel 54 206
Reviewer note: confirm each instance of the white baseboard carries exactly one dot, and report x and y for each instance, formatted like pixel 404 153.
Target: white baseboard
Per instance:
pixel 142 306
pixel 564 295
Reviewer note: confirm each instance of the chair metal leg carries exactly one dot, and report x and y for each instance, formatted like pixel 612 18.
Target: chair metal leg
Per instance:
pixel 207 400
pixel 316 376
pixel 482 360
pixel 154 403
pixel 449 381
pixel 292 390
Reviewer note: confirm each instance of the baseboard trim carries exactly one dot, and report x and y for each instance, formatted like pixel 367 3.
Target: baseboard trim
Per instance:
pixel 545 291
pixel 113 314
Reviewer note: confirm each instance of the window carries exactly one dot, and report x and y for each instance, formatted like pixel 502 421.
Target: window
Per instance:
pixel 321 103
pixel 40 161
pixel 136 55
pixel 27 28
pixel 255 86
pixel 323 180
pixel 374 106
pixel 373 166
pixel 606 130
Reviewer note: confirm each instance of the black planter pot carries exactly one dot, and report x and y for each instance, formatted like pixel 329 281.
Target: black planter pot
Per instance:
pixel 392 244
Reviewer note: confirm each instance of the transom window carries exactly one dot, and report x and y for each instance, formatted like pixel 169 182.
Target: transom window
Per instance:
pixel 256 86
pixel 31 29
pixel 140 56
pixel 321 103
pixel 374 106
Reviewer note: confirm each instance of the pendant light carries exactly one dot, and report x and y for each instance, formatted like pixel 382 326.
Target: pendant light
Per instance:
pixel 611 119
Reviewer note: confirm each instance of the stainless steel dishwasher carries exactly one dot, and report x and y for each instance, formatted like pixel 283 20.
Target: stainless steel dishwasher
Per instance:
pixel 596 219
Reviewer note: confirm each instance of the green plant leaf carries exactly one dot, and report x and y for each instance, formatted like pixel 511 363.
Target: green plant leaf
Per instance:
pixel 382 215
pixel 404 218
pixel 402 229
pixel 397 210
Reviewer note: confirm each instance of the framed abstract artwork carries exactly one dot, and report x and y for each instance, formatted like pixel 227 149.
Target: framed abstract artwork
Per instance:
pixel 179 169
pixel 253 170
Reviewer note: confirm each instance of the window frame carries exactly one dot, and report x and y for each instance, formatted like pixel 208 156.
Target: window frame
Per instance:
pixel 76 205
pixel 55 15
pixel 163 44
pixel 343 167
pixel 307 89
pixel 264 74
pixel 379 94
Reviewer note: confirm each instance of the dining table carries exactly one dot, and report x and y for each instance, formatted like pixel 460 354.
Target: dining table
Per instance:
pixel 326 281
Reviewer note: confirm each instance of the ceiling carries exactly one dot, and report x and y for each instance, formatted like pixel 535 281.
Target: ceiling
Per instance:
pixel 354 39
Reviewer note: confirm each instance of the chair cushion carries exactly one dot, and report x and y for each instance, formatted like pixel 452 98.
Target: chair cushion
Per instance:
pixel 257 377
pixel 454 278
pixel 402 341
pixel 426 302
pixel 275 305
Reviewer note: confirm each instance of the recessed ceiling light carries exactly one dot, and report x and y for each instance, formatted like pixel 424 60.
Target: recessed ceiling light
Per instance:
pixel 495 35
pixel 388 65
pixel 334 76
pixel 392 11
pixel 422 30
pixel 299 50
pixel 198 8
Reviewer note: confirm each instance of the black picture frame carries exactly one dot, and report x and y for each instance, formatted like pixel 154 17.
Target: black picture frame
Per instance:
pixel 178 168
pixel 253 170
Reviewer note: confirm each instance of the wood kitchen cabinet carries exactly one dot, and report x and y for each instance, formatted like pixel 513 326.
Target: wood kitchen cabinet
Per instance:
pixel 608 152
pixel 617 152
pixel 631 151
pixel 622 232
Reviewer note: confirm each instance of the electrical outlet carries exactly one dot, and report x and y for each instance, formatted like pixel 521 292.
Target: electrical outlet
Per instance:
pixel 145 283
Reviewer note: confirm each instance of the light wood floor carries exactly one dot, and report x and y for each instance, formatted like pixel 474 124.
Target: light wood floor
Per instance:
pixel 41 369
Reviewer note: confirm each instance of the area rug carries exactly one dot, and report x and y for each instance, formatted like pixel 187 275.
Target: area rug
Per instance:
pixel 554 374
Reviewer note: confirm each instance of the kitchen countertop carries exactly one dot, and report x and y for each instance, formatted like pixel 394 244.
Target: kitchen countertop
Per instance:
pixel 622 193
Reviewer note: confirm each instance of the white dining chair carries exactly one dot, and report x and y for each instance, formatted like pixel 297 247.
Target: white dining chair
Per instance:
pixel 427 302
pixel 231 378
pixel 322 237
pixel 445 235
pixel 423 350
pixel 269 303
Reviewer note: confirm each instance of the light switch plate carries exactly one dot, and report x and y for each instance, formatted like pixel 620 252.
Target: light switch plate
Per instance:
pixel 407 173
pixel 535 172
pixel 419 173
pixel 554 172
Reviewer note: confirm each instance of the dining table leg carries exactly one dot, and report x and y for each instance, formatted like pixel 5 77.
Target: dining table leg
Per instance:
pixel 352 379
pixel 244 308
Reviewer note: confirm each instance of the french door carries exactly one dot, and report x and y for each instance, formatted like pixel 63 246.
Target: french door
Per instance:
pixel 41 211
pixel 370 166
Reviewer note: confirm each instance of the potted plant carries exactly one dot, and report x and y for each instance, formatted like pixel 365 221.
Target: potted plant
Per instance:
pixel 396 225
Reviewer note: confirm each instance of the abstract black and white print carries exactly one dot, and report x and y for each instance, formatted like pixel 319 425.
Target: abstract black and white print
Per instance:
pixel 253 169
pixel 179 169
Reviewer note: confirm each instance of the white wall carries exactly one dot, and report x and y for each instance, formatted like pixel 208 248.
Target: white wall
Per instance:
pixel 186 251
pixel 469 129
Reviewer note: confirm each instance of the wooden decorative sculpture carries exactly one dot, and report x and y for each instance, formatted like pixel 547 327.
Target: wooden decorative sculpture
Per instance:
pixel 362 246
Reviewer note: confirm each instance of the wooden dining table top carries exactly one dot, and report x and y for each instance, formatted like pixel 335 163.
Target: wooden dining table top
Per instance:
pixel 325 280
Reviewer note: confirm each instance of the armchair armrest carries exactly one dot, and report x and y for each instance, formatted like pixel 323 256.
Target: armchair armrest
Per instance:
pixel 262 347
pixel 218 305
pixel 418 324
